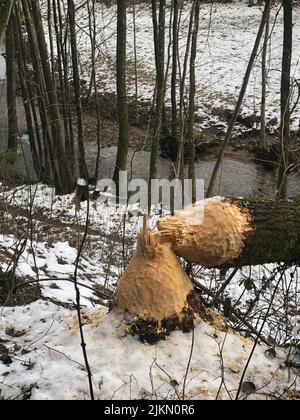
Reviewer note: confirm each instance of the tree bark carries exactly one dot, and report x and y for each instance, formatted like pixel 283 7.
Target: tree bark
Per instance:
pixel 82 193
pixel 183 74
pixel 263 137
pixel 191 111
pixel 65 183
pixel 12 141
pixel 122 154
pixel 5 11
pixel 159 28
pixel 174 69
pixel 285 98
pixel 64 95
pixel 28 103
pixel 236 233
pixel 28 98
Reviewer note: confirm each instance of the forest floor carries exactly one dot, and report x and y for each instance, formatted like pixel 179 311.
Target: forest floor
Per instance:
pixel 40 353
pixel 223 52
pixel 40 234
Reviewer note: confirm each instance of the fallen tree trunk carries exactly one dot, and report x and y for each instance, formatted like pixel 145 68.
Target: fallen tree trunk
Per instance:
pixel 235 233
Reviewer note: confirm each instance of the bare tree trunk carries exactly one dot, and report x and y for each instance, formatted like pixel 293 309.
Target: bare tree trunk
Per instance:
pixel 92 30
pixel 285 99
pixel 183 74
pixel 122 154
pixel 65 182
pixel 69 141
pixel 37 89
pixel 136 116
pixel 263 138
pixel 51 42
pixel 82 193
pixel 159 30
pixel 5 11
pixel 12 141
pixel 191 113
pixel 175 4
pixel 63 86
pixel 29 107
pixel 32 119
pixel 240 100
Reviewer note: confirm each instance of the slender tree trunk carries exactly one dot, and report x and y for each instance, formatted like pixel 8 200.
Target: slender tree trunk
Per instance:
pixel 51 42
pixel 92 30
pixel 263 138
pixel 239 101
pixel 12 142
pixel 31 114
pixel 183 74
pixel 136 116
pixel 155 30
pixel 159 44
pixel 63 85
pixel 175 4
pixel 28 103
pixel 83 171
pixel 121 163
pixel 159 31
pixel 65 183
pixel 191 112
pixel 37 89
pixel 5 11
pixel 285 99
pixel 69 140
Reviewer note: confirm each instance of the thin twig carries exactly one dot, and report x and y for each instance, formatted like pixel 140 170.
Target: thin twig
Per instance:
pixel 78 308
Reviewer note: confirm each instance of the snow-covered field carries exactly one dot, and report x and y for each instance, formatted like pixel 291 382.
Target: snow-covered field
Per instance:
pixel 48 363
pixel 42 338
pixel 226 38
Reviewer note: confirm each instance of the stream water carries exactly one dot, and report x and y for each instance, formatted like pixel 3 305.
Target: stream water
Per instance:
pixel 237 178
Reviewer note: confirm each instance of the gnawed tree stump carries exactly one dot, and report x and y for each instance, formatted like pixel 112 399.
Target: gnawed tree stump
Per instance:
pixel 235 233
pixel 155 292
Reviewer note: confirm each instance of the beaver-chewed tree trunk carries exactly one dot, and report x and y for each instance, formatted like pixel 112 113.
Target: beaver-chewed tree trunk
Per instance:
pixel 235 233
pixel 155 293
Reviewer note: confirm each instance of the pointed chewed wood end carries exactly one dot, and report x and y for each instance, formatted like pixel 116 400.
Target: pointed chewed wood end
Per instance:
pixel 212 233
pixel 155 293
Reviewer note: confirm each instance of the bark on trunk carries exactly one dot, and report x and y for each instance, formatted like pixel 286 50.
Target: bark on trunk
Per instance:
pixel 285 139
pixel 236 233
pixel 159 47
pixel 12 143
pixel 5 10
pixel 122 154
pixel 83 191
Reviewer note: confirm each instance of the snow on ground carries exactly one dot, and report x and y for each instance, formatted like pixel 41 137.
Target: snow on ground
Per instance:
pixel 43 341
pixel 48 363
pixel 54 266
pixel 2 63
pixel 226 38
